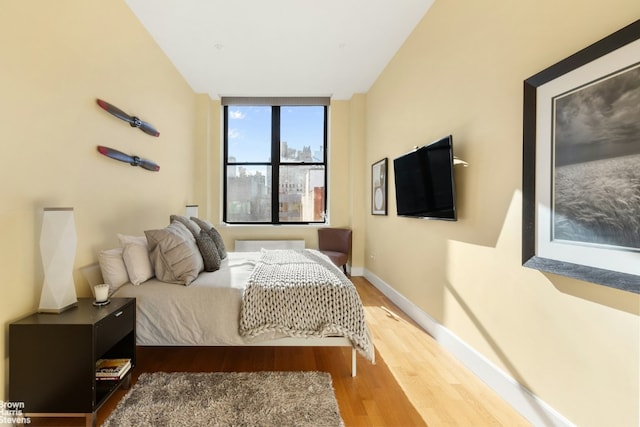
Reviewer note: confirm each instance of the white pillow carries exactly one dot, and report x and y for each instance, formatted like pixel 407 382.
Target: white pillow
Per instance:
pixel 114 271
pixel 125 240
pixel 136 259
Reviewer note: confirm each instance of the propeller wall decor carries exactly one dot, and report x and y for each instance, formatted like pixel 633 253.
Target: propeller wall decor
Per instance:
pixel 132 160
pixel 132 120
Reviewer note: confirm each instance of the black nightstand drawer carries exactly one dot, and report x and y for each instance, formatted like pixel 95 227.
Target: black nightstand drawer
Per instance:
pixel 113 328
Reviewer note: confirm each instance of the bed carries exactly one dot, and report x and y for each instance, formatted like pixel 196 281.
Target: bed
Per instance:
pixel 280 297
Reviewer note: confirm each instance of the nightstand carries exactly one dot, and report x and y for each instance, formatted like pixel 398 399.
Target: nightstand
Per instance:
pixel 52 357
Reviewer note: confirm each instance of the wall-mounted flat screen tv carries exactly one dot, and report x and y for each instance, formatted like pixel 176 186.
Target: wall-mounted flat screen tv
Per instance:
pixel 424 182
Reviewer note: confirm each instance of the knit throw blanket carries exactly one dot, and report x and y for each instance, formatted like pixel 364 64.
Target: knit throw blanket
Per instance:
pixel 299 293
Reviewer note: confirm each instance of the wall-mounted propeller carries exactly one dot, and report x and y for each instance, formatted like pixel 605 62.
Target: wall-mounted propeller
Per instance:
pixel 132 120
pixel 132 160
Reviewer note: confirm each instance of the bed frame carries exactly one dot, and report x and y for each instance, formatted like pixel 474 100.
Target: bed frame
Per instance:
pixel 311 342
pixel 93 276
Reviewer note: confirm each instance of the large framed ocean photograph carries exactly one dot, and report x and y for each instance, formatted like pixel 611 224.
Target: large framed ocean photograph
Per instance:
pixel 581 164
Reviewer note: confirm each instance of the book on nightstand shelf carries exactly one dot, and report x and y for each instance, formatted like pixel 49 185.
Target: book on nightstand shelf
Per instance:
pixel 112 369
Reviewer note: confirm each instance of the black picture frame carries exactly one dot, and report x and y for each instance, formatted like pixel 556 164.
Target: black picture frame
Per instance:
pixel 379 187
pixel 618 48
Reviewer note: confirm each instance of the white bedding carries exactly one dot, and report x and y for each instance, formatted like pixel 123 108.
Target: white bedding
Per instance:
pixel 207 312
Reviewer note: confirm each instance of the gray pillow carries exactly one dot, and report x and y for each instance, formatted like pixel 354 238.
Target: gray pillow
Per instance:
pixel 204 241
pixel 174 254
pixel 209 251
pixel 215 235
pixel 191 226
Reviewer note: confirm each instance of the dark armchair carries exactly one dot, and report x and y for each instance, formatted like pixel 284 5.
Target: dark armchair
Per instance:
pixel 336 244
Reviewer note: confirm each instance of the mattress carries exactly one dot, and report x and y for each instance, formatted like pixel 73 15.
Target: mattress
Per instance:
pixel 207 312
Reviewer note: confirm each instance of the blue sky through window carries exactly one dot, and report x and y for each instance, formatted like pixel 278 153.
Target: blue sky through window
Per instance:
pixel 249 131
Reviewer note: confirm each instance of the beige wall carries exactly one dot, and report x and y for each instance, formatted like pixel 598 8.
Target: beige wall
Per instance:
pixel 359 178
pixel 56 58
pixel 574 344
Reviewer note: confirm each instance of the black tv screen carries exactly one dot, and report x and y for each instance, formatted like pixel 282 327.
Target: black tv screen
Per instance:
pixel 424 182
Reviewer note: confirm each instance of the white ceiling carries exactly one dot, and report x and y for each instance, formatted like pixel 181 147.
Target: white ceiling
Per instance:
pixel 280 47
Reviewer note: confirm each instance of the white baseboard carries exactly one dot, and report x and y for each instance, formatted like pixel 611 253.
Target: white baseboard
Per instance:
pixel 531 407
pixel 355 271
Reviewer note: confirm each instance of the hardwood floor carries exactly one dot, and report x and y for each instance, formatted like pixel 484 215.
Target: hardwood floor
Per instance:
pixel 442 390
pixel 413 383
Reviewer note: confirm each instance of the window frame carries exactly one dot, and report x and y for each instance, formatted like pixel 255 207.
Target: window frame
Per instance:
pixel 276 163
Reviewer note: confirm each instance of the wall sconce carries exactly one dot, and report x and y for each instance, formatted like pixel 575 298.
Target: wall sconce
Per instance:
pixel 457 161
pixel 58 251
pixel 191 210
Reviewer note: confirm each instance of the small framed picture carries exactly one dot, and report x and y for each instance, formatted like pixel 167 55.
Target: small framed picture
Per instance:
pixel 379 187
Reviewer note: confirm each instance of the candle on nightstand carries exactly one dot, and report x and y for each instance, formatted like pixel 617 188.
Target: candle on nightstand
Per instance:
pixel 101 292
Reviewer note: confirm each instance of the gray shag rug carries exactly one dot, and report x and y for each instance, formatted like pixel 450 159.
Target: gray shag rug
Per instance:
pixel 228 399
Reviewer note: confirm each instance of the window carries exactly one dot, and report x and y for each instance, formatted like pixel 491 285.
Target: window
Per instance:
pixel 275 155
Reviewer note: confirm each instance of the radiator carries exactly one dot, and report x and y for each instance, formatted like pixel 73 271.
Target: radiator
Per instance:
pixel 256 245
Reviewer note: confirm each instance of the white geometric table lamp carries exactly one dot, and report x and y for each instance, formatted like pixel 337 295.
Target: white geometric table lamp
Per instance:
pixel 58 252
